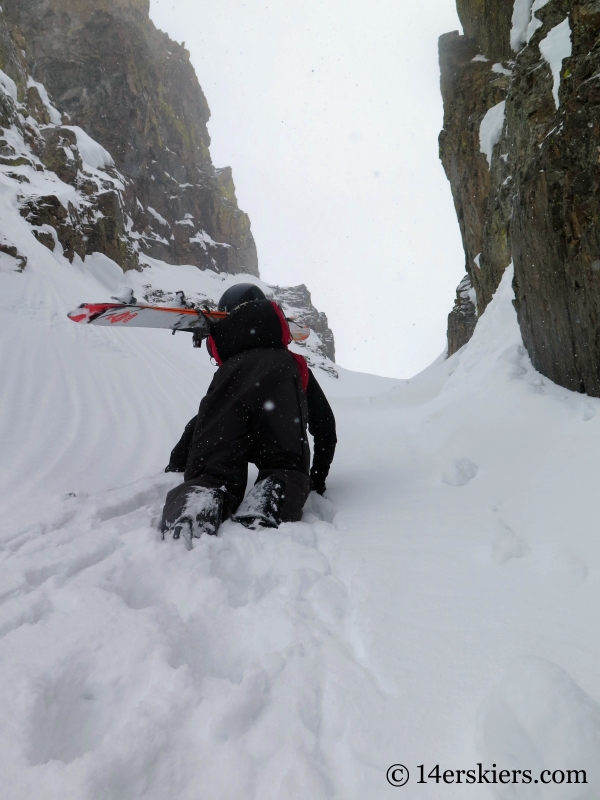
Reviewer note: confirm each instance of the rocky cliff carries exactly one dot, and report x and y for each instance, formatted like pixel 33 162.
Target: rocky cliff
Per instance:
pixel 521 148
pixel 104 145
pixel 109 71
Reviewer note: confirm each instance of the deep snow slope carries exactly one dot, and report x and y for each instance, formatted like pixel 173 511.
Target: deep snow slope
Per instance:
pixel 437 607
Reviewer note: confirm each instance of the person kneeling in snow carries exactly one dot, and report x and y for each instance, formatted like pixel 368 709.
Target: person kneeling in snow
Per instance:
pixel 258 407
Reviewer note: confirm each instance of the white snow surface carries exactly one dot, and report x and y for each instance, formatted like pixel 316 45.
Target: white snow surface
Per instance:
pixel 520 20
pixel 203 238
pixel 458 537
pixel 158 216
pixel 555 47
pixel 437 606
pixel 500 69
pixel 53 113
pixel 92 153
pixel 9 86
pixel 491 130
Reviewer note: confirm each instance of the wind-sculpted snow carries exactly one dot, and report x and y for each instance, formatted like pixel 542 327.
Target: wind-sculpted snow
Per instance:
pixel 128 666
pixel 459 535
pixel 438 606
pixel 132 668
pixel 537 717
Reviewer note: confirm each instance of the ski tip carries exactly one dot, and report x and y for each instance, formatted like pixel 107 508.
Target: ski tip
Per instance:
pixel 299 333
pixel 87 312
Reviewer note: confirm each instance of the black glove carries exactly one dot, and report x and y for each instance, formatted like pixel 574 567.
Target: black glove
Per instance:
pixel 317 485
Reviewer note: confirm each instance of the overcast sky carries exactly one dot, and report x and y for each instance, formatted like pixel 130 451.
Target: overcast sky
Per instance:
pixel 329 112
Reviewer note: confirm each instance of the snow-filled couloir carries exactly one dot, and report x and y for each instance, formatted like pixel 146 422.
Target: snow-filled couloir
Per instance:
pixel 436 607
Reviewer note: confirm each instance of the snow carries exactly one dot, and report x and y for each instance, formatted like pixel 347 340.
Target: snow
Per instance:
pixel 539 706
pixel 458 535
pixel 466 291
pixel 204 239
pixel 437 606
pixel 8 263
pixel 491 130
pixel 54 114
pixel 524 22
pixel 9 86
pixel 92 153
pixel 460 472
pixel 520 21
pixel 500 69
pixel 158 217
pixel 533 26
pixel 555 48
pixel 480 57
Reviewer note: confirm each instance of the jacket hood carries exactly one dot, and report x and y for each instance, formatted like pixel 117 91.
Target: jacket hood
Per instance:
pixel 253 325
pixel 260 323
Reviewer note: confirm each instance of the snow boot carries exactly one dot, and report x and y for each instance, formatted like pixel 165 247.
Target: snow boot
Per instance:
pixel 182 530
pixel 202 513
pixel 261 508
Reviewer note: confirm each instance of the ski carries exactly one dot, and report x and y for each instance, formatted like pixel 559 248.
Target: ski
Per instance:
pixel 145 316
pixel 142 316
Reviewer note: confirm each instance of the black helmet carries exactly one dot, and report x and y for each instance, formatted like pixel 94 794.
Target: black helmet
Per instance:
pixel 238 294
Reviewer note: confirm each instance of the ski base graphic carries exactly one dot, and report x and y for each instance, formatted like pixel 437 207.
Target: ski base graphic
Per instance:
pixel 175 319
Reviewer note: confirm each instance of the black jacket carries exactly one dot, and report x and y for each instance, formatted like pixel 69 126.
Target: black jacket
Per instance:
pixel 258 405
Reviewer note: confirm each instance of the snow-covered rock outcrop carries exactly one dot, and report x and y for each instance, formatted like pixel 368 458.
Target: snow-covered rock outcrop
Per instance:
pixel 64 184
pixel 112 74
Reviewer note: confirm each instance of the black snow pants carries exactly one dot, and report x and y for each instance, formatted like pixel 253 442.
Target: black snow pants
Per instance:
pixel 255 411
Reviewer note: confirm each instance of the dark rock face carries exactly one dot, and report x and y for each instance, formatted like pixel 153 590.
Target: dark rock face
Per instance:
pixel 11 60
pixel 556 242
pixel 11 250
pixel 111 72
pixel 540 204
pixel 463 317
pixel 469 90
pixel 96 221
pixel 60 154
pixel 488 23
pixel 94 228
